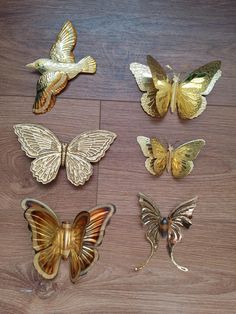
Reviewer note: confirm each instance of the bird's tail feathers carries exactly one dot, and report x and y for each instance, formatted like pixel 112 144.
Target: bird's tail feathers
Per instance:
pixel 88 65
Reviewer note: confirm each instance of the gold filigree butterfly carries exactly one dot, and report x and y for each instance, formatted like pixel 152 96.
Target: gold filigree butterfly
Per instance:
pixel 40 143
pixel 187 96
pixel 179 160
pixel 53 241
pixel 166 227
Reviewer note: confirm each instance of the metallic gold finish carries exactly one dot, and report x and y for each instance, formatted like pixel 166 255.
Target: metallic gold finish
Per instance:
pixel 40 143
pixel 178 160
pixel 169 227
pixel 77 242
pixel 59 69
pixel 186 96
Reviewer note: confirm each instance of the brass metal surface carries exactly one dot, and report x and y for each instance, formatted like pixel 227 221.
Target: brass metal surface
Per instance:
pixel 165 227
pixel 53 241
pixel 40 143
pixel 162 91
pixel 179 160
pixel 57 70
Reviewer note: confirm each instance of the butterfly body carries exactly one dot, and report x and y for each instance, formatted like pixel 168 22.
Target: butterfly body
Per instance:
pixel 49 153
pixel 63 153
pixel 178 161
pixel 187 96
pixel 77 242
pixel 163 227
pixel 59 69
pixel 166 227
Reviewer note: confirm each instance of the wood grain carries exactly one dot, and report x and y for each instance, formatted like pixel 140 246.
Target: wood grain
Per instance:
pixel 180 33
pixel 184 34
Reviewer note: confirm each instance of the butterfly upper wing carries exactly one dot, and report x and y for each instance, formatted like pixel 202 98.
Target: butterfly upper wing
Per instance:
pixel 40 143
pixel 183 156
pixel 87 147
pixel 162 85
pixel 144 81
pixel 48 86
pixel 44 226
pixel 146 147
pixel 150 217
pixel 95 230
pixel 160 154
pixel 156 154
pixel 78 230
pixel 179 218
pixel 190 100
pixel 62 49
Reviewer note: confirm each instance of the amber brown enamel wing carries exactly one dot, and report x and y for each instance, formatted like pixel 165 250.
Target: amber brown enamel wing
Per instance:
pixel 53 241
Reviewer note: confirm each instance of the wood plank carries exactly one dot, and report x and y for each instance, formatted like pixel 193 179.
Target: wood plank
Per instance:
pixel 68 119
pixel 206 250
pixel 117 33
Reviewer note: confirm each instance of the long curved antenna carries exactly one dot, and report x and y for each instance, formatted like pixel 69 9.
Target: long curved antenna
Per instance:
pixel 153 249
pixel 170 250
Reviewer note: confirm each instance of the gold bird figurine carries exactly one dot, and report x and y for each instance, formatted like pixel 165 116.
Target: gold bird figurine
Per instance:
pixel 59 69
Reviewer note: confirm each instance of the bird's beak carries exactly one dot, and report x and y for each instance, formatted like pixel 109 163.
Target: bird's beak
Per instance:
pixel 30 65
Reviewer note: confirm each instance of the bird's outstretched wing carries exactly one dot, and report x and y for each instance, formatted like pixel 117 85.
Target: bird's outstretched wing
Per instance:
pixel 48 86
pixel 62 49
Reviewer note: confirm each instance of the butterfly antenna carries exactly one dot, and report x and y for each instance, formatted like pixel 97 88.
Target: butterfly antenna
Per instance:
pixel 174 262
pixel 141 266
pixel 169 67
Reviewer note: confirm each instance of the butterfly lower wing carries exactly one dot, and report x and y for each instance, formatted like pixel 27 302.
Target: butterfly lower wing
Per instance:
pixel 44 226
pixel 183 156
pixel 87 147
pixel 78 169
pixel 78 229
pixel 190 100
pixel 179 218
pixel 62 49
pixel 95 230
pixel 46 167
pixel 40 143
pixel 150 217
pixel 48 86
pixel 47 262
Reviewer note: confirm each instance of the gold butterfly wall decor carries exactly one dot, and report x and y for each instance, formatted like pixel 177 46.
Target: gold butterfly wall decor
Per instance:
pixel 179 160
pixel 57 70
pixel 40 143
pixel 53 241
pixel 161 91
pixel 165 227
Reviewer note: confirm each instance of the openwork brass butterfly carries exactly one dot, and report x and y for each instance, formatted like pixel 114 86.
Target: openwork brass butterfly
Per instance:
pixel 187 96
pixel 57 70
pixel 179 160
pixel 53 241
pixel 40 143
pixel 166 227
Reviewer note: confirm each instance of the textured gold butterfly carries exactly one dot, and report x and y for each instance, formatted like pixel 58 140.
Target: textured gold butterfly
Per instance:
pixel 179 160
pixel 59 69
pixel 186 96
pixel 169 227
pixel 53 241
pixel 40 143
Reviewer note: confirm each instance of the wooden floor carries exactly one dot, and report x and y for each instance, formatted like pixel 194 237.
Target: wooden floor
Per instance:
pixel 184 34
